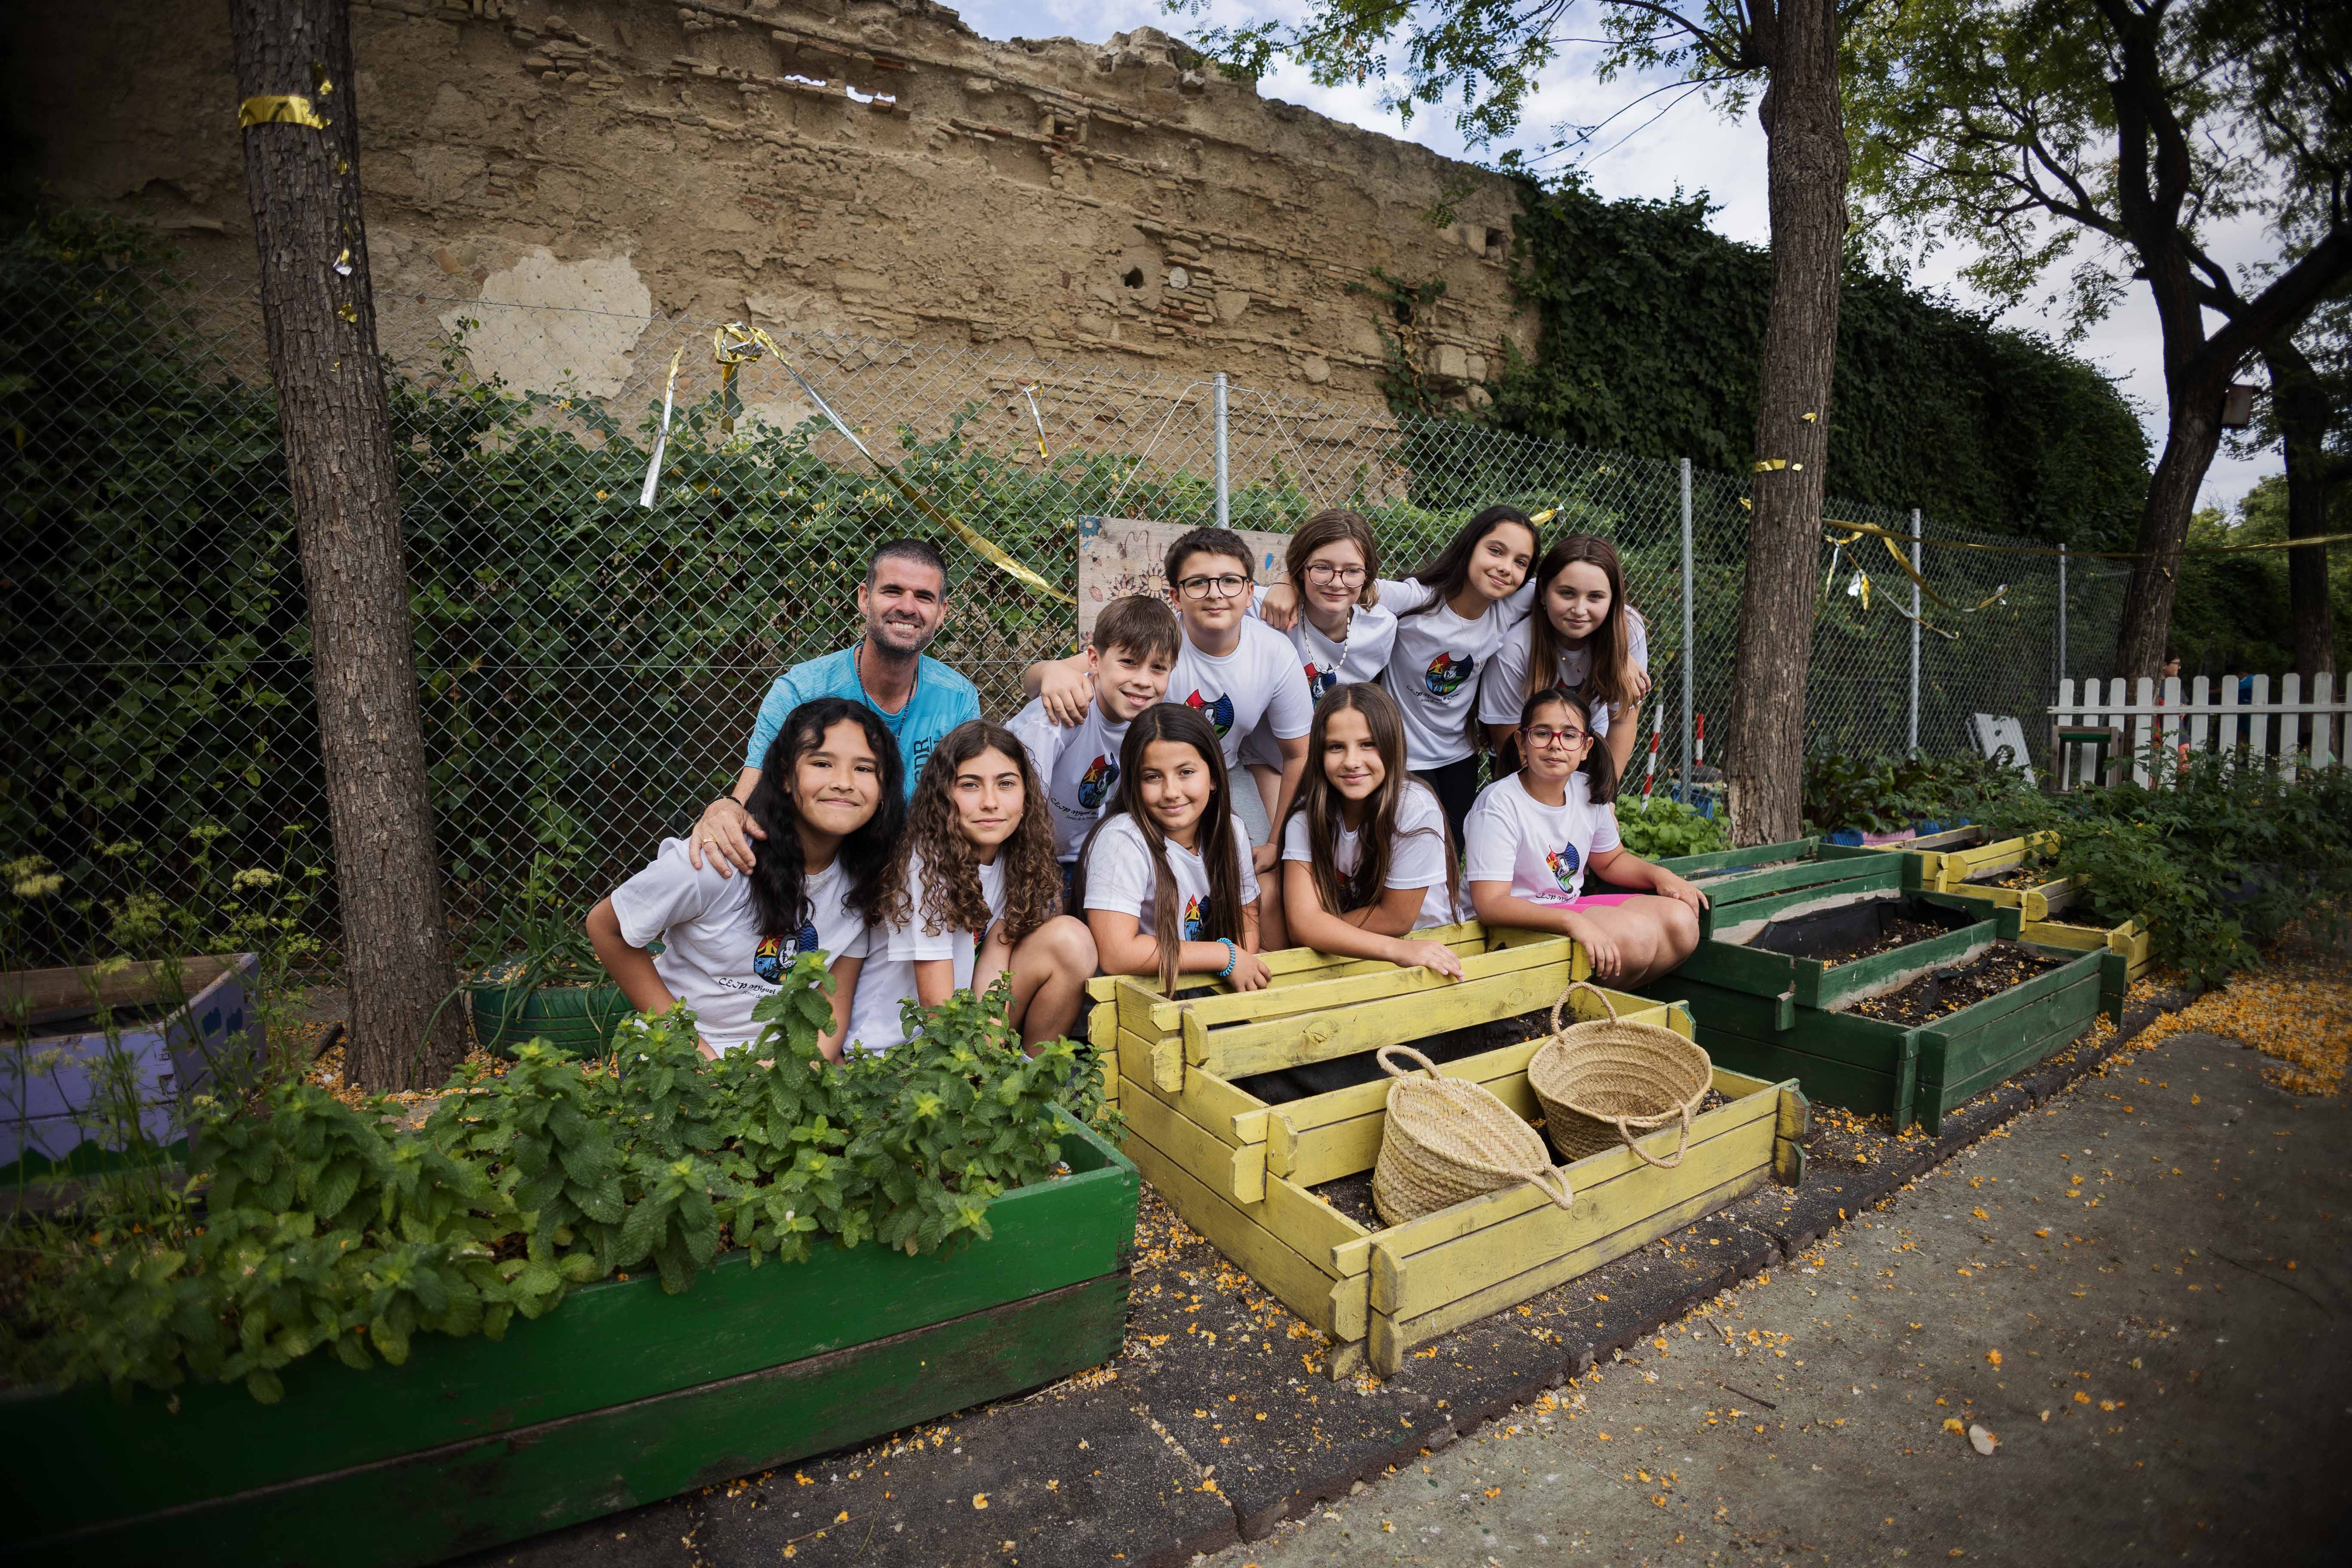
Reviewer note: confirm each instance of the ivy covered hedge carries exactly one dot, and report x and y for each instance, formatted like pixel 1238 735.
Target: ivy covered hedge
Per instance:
pixel 1651 328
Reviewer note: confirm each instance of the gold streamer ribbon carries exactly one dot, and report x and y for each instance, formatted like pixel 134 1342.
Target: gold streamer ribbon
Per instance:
pixel 1037 420
pixel 1891 537
pixel 1903 562
pixel 278 109
pixel 979 543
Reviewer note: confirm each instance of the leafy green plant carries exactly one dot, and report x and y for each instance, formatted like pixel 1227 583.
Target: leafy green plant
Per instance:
pixel 1665 828
pixel 1887 794
pixel 309 1224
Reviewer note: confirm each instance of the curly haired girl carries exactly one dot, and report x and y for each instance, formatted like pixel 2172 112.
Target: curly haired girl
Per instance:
pixel 975 891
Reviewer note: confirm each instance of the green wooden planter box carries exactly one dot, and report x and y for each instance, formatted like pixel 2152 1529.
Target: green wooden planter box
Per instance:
pixel 620 1396
pixel 1908 1075
pixel 1774 1015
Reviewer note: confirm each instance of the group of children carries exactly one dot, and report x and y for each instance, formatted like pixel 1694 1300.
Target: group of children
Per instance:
pixel 1101 830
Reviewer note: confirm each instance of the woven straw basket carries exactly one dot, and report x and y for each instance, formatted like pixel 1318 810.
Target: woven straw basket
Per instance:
pixel 1446 1139
pixel 1609 1082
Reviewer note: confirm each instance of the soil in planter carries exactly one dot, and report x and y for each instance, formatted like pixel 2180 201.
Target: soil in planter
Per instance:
pixel 1857 929
pixel 2016 876
pixel 1941 992
pixel 1344 1072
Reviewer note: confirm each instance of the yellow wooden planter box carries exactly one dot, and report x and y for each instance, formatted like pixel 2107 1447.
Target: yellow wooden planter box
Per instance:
pixel 1240 1171
pixel 1947 862
pixel 2127 939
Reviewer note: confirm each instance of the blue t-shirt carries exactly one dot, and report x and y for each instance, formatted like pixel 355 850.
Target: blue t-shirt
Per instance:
pixel 942 700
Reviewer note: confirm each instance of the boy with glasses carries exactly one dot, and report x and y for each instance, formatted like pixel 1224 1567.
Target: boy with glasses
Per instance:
pixel 1234 667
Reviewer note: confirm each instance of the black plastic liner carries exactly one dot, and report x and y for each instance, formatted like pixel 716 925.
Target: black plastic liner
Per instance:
pixel 1849 928
pixel 1344 1072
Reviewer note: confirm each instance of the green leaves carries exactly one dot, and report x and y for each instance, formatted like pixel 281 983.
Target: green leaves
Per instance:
pixel 1665 828
pixel 329 1227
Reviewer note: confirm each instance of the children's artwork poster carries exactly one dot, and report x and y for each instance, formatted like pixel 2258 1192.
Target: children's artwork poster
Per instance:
pixel 1122 555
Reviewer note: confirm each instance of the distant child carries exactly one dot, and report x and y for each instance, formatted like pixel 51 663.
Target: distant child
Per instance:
pixel 1165 881
pixel 1133 649
pixel 1534 834
pixel 1234 669
pixel 1583 636
pixel 1454 613
pixel 1340 633
pixel 830 801
pixel 1365 851
pixel 976 892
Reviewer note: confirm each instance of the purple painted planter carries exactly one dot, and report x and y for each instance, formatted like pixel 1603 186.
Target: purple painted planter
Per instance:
pixel 49 1082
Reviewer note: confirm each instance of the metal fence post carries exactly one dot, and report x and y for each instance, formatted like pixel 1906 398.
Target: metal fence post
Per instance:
pixel 1225 465
pixel 1914 629
pixel 1690 653
pixel 2062 616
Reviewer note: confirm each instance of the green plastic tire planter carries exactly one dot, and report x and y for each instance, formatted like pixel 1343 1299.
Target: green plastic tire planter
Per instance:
pixel 576 1018
pixel 620 1396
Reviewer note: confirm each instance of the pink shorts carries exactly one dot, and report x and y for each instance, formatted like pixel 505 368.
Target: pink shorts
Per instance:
pixel 1605 901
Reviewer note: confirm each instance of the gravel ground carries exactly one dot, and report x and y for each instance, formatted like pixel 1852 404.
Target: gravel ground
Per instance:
pixel 2137 1293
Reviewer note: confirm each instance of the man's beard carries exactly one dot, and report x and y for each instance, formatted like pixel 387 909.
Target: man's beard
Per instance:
pixel 890 638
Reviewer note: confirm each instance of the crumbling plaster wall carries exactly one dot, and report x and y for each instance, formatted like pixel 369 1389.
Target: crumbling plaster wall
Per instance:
pixel 834 165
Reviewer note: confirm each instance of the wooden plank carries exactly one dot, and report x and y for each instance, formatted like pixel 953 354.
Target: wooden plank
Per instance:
pixel 1950 1046
pixel 1754 854
pixel 1382 983
pixel 1319 1232
pixel 1823 986
pixel 1205 1100
pixel 483 1489
pixel 1792 1116
pixel 1746 1123
pixel 1242 1050
pixel 1887 877
pixel 2290 734
pixel 1844 1037
pixel 1335 1306
pixel 1737 968
pixel 1904 1105
pixel 1236 1173
pixel 53 991
pixel 1392 1338
pixel 1805 874
pixel 1866 1089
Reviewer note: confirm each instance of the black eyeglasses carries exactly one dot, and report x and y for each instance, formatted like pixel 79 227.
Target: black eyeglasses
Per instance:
pixel 1214 587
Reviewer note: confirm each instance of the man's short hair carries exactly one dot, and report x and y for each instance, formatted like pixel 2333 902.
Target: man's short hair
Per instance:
pixel 908 549
pixel 1211 541
pixel 1141 626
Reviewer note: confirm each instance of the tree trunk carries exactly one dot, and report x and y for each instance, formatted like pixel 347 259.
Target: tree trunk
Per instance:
pixel 303 183
pixel 1807 168
pixel 2190 440
pixel 2304 411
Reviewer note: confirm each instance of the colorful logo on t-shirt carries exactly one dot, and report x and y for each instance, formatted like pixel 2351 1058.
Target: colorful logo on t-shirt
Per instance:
pixel 1196 918
pixel 775 953
pixel 1218 712
pixel 1563 864
pixel 1094 784
pixel 1319 681
pixel 1446 673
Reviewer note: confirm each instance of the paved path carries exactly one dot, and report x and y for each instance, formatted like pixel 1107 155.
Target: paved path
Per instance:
pixel 2137 1289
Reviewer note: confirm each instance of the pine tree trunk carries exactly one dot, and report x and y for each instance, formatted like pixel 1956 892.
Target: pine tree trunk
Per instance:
pixel 1807 169
pixel 2304 413
pixel 303 184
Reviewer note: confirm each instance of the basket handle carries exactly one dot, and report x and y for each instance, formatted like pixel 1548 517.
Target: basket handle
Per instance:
pixel 1556 1189
pixel 1381 1057
pixel 1574 987
pixel 1680 1149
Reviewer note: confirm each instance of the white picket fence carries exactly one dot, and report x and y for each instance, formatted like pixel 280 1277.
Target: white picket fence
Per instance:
pixel 2210 716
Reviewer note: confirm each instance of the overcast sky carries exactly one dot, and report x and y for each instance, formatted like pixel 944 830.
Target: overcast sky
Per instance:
pixel 1691 147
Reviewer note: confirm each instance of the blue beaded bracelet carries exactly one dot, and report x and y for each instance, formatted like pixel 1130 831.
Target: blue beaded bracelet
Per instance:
pixel 1233 956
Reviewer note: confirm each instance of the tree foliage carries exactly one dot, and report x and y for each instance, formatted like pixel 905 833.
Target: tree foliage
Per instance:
pixel 1652 327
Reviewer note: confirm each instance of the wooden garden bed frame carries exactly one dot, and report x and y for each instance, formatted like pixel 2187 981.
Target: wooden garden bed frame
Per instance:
pixel 1240 1171
pixel 620 1396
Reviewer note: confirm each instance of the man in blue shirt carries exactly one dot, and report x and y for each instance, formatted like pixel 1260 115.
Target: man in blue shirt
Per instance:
pixel 904 599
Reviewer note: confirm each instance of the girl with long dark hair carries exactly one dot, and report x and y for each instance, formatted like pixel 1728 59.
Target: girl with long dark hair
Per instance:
pixel 831 799
pixel 1583 636
pixel 1165 878
pixel 1534 834
pixel 976 891
pixel 1366 856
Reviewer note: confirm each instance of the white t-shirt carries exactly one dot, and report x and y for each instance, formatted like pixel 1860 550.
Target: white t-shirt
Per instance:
pixel 1079 766
pixel 1541 850
pixel 1433 669
pixel 1258 680
pixel 1505 692
pixel 1121 877
pixel 713 957
pixel 1372 633
pixel 1417 861
pixel 888 977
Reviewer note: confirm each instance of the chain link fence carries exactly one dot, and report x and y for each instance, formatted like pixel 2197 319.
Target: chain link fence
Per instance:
pixel 590 665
